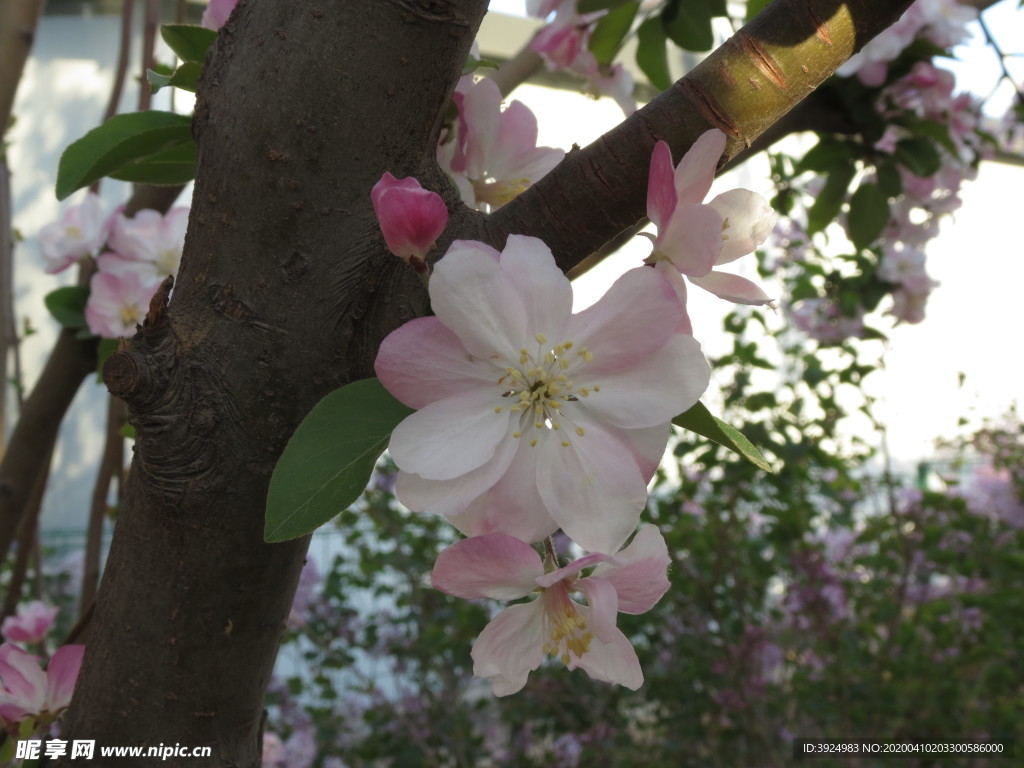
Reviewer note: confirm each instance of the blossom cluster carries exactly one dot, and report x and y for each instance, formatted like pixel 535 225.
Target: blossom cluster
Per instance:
pixel 563 44
pixel 940 22
pixel 532 420
pixel 132 257
pixel 32 698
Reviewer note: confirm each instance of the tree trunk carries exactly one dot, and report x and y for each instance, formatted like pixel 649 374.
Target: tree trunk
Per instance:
pixel 284 294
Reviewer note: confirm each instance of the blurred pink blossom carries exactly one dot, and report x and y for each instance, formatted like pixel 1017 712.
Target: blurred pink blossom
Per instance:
pixel 80 232
pixel 31 624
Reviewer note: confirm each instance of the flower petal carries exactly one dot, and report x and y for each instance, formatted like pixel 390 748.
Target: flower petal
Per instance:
pixel 22 678
pixel 661 189
pixel 604 606
pixel 452 497
pixel 613 662
pixel 471 296
pixel 422 362
pixel 692 239
pixel 591 486
pixel 639 573
pixel 747 218
pixel 634 318
pixel 653 391
pixel 732 288
pixel 696 171
pixel 544 290
pixel 669 271
pixel 61 676
pixel 510 647
pixel 451 437
pixel 495 565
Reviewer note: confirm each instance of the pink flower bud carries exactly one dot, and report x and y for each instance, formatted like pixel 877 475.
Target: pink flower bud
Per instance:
pixel 411 218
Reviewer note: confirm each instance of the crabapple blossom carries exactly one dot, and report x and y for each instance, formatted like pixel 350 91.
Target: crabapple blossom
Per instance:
pixel 31 624
pixel 217 12
pixel 151 238
pixel 411 218
pixel 531 418
pixel 81 232
pixel 28 691
pixel 941 22
pixel 821 319
pixel 118 302
pixel 695 237
pixel 493 155
pixel 502 567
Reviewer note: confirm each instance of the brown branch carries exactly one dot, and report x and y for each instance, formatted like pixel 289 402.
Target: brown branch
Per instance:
pixel 110 467
pixel 18 22
pixel 743 88
pixel 28 542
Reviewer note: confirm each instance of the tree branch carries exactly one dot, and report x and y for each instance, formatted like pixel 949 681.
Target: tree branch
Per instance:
pixel 743 88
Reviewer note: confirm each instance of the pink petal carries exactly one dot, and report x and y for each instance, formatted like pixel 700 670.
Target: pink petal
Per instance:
pixel 513 505
pixel 732 288
pixel 471 296
pixel 510 647
pixel 613 662
pixel 692 239
pixel 592 487
pixel 62 674
pixel 451 437
pixel 544 290
pixel 634 318
pixel 748 220
pixel 696 171
pixel 24 681
pixel 604 607
pixel 661 190
pixel 480 124
pixel 453 497
pixel 639 573
pixel 495 565
pixel 670 273
pixel 423 361
pixel 656 389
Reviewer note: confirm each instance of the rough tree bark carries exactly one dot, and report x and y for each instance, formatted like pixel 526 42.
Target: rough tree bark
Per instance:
pixel 285 292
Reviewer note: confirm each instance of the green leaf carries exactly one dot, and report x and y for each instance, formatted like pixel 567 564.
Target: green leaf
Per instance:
pixel 936 131
pixel 754 7
pixel 699 419
pixel 919 156
pixel 824 156
pixel 67 305
pixel 589 6
pixel 889 178
pixel 176 165
pixel 688 24
pixel 869 213
pixel 122 140
pixel 651 53
pixel 185 77
pixel 611 30
pixel 329 459
pixel 127 431
pixel 829 201
pixel 189 42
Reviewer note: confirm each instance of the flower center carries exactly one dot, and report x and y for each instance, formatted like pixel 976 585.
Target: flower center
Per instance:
pixel 542 384
pixel 569 636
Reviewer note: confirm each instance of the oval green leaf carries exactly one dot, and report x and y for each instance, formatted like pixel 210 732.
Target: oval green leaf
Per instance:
pixel 67 305
pixel 328 461
pixel 611 30
pixel 122 140
pixel 188 41
pixel 651 53
pixel 176 165
pixel 699 419
pixel 869 213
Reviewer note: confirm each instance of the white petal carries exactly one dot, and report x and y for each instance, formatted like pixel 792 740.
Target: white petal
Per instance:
pixel 613 662
pixel 592 487
pixel 495 566
pixel 732 288
pixel 749 219
pixel 471 296
pixel 655 390
pixel 510 647
pixel 544 291
pixel 451 437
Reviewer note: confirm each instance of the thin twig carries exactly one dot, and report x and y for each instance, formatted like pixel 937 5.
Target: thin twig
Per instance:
pixel 110 467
